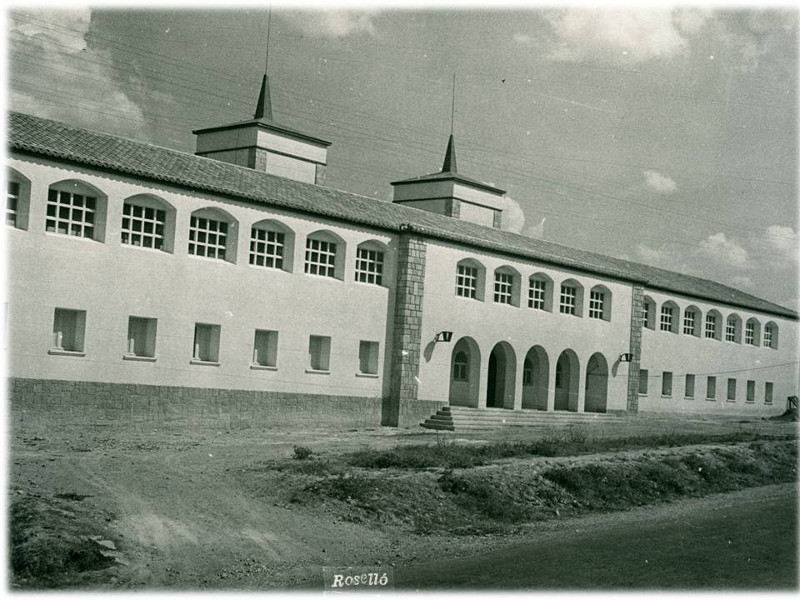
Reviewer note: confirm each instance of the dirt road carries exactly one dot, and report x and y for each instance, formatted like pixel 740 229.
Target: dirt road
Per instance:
pixel 740 540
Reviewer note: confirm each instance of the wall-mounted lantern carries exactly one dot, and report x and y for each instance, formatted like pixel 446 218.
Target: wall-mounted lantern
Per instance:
pixel 627 357
pixel 443 336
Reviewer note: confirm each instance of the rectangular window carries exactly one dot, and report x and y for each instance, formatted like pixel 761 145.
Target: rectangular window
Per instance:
pixel 141 337
pixel 503 284
pixel 320 257
pixel 711 326
pixel 643 377
pixel 206 343
pixel 369 266
pixel 666 383
pixel 751 390
pixel 536 294
pixel 732 389
pixel 768 336
pixel 568 299
pixel 143 226
pixel 768 392
pixel 666 318
pixel 368 357
pixel 645 314
pixel 467 281
pixel 689 389
pixel 265 348
pixel 70 214
pixel 711 388
pixel 266 248
pixel 319 353
pixel 750 334
pixel 730 331
pixel 12 203
pixel 69 327
pixel 596 301
pixel 208 237
pixel 689 322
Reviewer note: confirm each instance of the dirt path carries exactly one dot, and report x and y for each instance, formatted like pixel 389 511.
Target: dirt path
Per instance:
pixel 739 540
pixel 181 517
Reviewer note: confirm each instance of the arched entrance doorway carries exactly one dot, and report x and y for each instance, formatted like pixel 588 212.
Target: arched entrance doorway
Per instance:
pixel 501 378
pixel 535 379
pixel 567 381
pixel 465 368
pixel 596 384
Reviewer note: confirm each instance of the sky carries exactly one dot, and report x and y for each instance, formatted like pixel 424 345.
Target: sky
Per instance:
pixel 667 136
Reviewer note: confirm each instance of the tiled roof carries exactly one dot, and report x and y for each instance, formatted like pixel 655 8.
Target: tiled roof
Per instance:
pixel 109 152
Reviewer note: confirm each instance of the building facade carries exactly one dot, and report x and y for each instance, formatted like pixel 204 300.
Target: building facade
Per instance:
pixel 150 285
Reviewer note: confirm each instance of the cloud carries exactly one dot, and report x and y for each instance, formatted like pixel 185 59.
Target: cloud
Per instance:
pixel 754 34
pixel 59 76
pixel 536 231
pixel 660 183
pixel 623 36
pixel 721 250
pixel 513 215
pixel 332 23
pixel 781 240
pixel 742 281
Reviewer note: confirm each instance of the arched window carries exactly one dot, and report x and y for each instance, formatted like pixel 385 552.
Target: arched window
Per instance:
pixel 325 253
pixel 771 335
pixel 669 317
pixel 461 366
pixel 752 332
pixel 371 262
pixel 733 329
pixel 600 303
pixel 470 279
pixel 692 321
pixel 77 209
pixel 648 313
pixel 506 286
pixel 713 325
pixel 540 292
pixel 148 222
pixel 213 234
pixel 571 298
pixel 18 199
pixel 271 245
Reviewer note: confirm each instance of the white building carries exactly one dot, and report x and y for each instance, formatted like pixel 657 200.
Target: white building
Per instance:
pixel 151 285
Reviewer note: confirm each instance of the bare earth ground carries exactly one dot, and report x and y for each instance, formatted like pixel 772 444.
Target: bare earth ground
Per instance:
pixel 176 509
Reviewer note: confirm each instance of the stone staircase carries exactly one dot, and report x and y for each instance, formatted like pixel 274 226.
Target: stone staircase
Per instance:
pixel 460 418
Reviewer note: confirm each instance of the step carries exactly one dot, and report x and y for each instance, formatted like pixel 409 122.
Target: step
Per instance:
pixel 451 418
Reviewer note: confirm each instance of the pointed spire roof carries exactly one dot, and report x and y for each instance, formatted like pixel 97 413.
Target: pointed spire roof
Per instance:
pixel 449 165
pixel 264 104
pixel 450 172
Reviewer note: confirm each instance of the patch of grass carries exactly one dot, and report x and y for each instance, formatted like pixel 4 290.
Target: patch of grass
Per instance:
pixel 302 452
pixel 48 544
pixel 570 441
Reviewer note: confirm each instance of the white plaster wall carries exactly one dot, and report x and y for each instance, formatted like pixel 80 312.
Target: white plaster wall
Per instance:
pixel 477 195
pixel 287 144
pixel 227 139
pixel 292 168
pixel 424 190
pixel 476 214
pixel 682 354
pixel 489 323
pixel 112 282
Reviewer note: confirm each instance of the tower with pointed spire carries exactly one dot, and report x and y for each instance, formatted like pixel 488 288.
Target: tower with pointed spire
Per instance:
pixel 263 144
pixel 452 194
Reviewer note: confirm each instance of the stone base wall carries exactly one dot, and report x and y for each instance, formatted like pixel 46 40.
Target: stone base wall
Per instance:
pixel 44 403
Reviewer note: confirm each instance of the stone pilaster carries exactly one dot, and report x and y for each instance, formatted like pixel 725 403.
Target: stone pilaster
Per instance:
pixel 637 313
pixel 258 159
pixel 407 334
pixel 455 208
